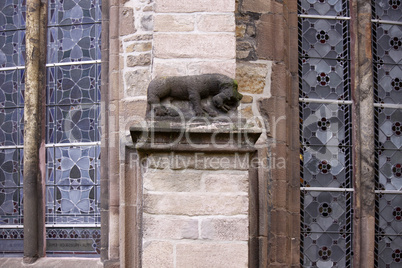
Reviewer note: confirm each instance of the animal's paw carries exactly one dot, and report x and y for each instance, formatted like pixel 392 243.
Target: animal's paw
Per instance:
pixel 161 111
pixel 173 112
pixel 210 111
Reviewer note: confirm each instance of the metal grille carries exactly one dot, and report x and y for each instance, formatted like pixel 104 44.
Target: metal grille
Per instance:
pixel 387 69
pixel 325 134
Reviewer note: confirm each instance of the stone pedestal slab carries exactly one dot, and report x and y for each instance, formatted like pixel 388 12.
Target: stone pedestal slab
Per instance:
pixel 193 196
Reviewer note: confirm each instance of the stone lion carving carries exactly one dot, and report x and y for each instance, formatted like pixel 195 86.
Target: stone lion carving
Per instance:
pixel 221 88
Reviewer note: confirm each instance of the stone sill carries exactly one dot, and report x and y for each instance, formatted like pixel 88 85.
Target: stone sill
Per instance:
pixel 195 135
pixel 53 262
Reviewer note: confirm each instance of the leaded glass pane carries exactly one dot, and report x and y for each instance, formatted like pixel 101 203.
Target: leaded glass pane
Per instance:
pixel 324 79
pixel 326 229
pixel 326 167
pixel 67 12
pixel 12 48
pixel 387 10
pixel 324 38
pixel 72 186
pixel 389 171
pixel 324 7
pixel 12 242
pixel 12 54
pixel 387 55
pixel 73 97
pixel 388 142
pixel 390 250
pixel 11 206
pixel 12 14
pixel 74 43
pixel 9 88
pixel 389 209
pixel 388 230
pixel 325 134
pixel 71 124
pixel 387 43
pixel 389 128
pixel 325 124
pixel 12 88
pixel 80 241
pixel 388 83
pixel 76 84
pixel 11 126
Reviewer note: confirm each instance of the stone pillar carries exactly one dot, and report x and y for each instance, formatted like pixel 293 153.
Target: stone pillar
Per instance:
pixel 34 238
pixel 193 194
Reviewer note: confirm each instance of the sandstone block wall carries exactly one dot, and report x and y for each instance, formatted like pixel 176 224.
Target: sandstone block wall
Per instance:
pixel 246 39
pixel 197 216
pixel 194 37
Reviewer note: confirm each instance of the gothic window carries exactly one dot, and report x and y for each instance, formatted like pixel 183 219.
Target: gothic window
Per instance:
pixel 325 133
pixel 72 194
pixel 387 72
pixel 326 127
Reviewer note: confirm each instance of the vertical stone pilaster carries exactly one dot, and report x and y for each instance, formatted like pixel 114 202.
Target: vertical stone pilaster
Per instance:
pixel 42 130
pixel 362 84
pixel 195 201
pixel 104 180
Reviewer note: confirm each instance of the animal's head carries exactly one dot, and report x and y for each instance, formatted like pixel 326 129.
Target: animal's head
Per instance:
pixel 229 97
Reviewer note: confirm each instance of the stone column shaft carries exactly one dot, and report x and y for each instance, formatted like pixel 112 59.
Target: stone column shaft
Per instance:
pixel 33 195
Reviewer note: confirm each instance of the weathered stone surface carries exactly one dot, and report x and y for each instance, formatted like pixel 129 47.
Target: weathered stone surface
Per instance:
pixel 240 31
pixel 227 67
pixel 53 262
pixel 226 181
pixel 267 47
pixel 172 181
pixel 173 23
pixel 244 45
pixel 252 77
pixel 127 21
pixel 169 227
pixel 139 47
pixel 241 55
pixel 177 67
pixel 137 82
pixel 195 204
pixel 247 99
pixel 194 46
pixel 247 112
pixel 199 161
pixel 139 37
pixel 180 6
pixel 147 23
pixel 258 6
pixel 174 67
pixel 279 80
pixel 216 23
pixel 225 228
pixel 212 255
pixel 139 60
pixel 133 111
pixel 157 254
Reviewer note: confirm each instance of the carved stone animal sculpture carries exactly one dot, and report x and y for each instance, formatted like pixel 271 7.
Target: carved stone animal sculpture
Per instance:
pixel 221 88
